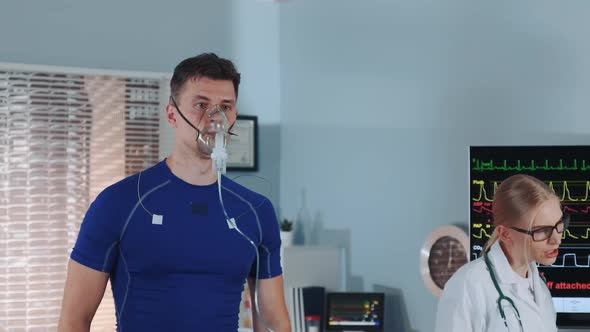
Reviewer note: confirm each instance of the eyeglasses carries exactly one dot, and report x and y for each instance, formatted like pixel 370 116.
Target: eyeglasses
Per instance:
pixel 543 233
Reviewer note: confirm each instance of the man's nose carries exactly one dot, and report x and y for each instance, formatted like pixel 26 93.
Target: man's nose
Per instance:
pixel 215 110
pixel 217 120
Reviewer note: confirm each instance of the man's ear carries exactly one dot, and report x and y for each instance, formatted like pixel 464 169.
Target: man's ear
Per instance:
pixel 504 234
pixel 171 115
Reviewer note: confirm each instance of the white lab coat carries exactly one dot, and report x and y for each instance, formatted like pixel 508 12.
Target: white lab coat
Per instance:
pixel 469 299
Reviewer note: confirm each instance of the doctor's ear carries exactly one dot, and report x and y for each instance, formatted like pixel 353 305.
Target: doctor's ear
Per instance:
pixel 504 234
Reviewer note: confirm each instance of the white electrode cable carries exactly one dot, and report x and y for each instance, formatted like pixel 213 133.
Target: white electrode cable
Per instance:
pixel 139 196
pixel 232 223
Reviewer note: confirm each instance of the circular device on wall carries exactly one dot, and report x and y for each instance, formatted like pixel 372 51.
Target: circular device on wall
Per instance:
pixel 445 250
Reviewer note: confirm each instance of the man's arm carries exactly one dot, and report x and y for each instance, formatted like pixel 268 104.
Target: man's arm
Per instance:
pixel 271 301
pixel 82 294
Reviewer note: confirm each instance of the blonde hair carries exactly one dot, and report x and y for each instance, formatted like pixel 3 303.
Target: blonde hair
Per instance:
pixel 515 199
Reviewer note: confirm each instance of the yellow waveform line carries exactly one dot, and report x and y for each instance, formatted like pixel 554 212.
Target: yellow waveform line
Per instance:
pixel 565 194
pixel 568 233
pixel 566 190
pixel 551 186
pixel 481 234
pixel 482 191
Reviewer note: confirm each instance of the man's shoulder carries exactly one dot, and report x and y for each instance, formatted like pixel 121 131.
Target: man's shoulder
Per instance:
pixel 243 193
pixel 130 186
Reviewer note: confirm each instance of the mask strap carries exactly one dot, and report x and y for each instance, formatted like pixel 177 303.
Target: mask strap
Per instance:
pixel 184 118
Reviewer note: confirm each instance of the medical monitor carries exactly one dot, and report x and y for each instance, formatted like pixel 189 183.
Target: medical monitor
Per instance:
pixel 354 311
pixel 566 169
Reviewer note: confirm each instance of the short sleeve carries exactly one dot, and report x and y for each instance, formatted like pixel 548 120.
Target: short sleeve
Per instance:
pixel 96 246
pixel 269 250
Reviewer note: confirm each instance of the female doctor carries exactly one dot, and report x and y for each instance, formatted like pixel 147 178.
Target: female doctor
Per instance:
pixel 502 290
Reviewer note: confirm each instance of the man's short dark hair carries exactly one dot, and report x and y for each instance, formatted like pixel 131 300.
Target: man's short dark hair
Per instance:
pixel 207 65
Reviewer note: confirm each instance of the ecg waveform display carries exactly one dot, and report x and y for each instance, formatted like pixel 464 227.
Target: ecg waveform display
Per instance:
pixel 530 165
pixel 567 191
pixel 566 169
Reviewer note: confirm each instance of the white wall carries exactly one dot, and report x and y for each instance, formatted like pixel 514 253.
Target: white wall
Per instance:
pixel 128 35
pixel 255 49
pixel 155 36
pixel 381 99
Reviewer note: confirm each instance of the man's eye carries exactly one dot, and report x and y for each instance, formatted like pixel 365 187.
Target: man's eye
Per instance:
pixel 226 108
pixel 201 106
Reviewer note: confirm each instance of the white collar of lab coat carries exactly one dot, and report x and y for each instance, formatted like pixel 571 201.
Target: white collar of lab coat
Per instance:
pixel 504 272
pixel 505 275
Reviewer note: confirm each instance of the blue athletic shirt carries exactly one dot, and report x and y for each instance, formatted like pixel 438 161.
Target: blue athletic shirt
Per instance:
pixel 187 273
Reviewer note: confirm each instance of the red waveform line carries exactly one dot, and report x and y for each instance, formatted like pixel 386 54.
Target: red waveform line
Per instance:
pixel 570 210
pixel 482 210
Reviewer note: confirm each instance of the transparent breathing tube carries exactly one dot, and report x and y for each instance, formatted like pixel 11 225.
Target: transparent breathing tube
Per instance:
pixel 234 225
pixel 220 128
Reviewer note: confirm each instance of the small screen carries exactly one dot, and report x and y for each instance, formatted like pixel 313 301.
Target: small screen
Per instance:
pixel 354 311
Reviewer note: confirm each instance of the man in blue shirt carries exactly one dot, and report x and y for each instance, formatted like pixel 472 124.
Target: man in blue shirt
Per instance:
pixel 176 240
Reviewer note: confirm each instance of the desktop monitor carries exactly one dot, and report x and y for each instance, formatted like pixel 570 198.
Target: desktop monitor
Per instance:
pixel 354 311
pixel 566 169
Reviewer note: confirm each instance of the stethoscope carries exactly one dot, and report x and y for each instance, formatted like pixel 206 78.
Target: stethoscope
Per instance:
pixel 502 296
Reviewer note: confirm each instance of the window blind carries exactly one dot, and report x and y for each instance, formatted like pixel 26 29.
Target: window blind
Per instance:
pixel 63 138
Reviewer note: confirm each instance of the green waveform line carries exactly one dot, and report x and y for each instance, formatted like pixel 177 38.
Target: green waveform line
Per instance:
pixel 488 166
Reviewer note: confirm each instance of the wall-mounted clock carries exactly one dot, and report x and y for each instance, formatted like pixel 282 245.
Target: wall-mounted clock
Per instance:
pixel 445 250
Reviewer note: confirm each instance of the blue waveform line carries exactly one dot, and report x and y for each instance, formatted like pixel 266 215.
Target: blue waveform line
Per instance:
pixel 562 265
pixel 576 265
